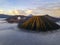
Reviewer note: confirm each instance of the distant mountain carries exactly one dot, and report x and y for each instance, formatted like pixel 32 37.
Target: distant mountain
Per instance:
pixel 30 15
pixel 4 16
pixel 39 23
pixel 25 18
pixel 15 19
pixel 22 16
pixel 54 19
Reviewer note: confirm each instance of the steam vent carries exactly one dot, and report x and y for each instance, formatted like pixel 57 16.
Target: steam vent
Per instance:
pixel 39 23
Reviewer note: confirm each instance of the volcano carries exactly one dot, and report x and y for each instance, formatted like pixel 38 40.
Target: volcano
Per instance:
pixel 54 19
pixel 39 23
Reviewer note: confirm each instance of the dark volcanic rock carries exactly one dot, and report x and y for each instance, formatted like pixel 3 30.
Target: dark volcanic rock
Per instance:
pixel 4 16
pixel 15 19
pixel 39 23
pixel 54 19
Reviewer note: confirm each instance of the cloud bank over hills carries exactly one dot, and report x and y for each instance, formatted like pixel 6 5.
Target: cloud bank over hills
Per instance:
pixel 37 11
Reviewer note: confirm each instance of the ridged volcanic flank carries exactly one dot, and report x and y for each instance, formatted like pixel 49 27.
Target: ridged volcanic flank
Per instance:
pixel 39 23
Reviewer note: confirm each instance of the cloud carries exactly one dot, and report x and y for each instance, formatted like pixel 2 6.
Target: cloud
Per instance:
pixel 42 11
pixel 16 12
pixel 29 11
pixel 2 11
pixel 37 11
pixel 55 12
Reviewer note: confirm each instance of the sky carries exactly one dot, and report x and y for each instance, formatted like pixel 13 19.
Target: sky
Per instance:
pixel 29 6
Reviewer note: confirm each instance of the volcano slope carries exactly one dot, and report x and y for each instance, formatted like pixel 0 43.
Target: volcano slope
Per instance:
pixel 54 19
pixel 39 23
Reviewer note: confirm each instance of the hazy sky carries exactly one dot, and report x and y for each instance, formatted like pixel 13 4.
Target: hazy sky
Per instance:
pixel 23 4
pixel 29 4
